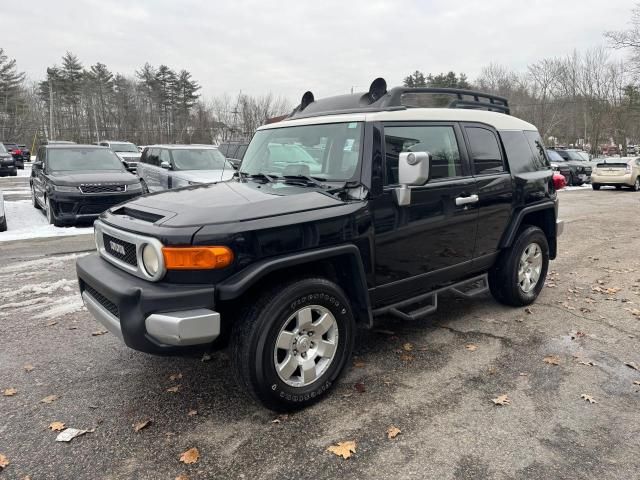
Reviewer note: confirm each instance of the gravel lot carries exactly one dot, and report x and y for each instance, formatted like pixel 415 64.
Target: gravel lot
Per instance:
pixel 425 378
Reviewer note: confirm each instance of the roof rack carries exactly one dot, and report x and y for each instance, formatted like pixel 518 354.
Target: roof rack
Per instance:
pixel 378 99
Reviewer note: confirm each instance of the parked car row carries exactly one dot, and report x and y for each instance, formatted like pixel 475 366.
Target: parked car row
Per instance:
pixel 574 165
pixel 20 153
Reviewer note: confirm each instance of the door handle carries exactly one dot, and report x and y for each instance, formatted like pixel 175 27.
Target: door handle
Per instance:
pixel 466 200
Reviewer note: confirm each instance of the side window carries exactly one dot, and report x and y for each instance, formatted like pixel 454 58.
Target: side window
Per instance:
pixel 152 157
pixel 541 161
pixel 485 151
pixel 519 154
pixel 164 156
pixel 223 148
pixel 241 151
pixel 439 141
pixel 231 152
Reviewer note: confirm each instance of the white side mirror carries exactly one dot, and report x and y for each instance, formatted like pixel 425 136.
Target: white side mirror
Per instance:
pixel 413 169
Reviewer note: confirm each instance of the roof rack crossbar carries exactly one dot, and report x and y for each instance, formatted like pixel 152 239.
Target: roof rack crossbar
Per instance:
pixel 479 100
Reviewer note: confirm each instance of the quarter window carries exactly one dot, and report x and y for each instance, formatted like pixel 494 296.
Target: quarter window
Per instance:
pixel 439 141
pixel 485 151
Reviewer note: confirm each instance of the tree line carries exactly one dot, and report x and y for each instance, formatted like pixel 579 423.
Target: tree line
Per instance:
pixel 154 105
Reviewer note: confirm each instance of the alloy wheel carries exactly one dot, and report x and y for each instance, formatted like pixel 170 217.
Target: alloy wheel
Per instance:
pixel 530 267
pixel 306 346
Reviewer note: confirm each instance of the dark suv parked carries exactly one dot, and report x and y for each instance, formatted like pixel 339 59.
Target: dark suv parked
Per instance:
pixel 573 164
pixel 16 152
pixel 331 221
pixel 78 182
pixel 234 152
pixel 7 163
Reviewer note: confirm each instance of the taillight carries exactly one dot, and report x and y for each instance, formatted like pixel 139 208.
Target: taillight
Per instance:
pixel 627 168
pixel 559 182
pixel 17 151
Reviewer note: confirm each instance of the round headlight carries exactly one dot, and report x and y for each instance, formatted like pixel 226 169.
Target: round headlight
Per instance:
pixel 150 260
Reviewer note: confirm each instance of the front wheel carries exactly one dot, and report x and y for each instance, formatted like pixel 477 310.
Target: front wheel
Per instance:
pixel 293 342
pixel 520 272
pixel 51 216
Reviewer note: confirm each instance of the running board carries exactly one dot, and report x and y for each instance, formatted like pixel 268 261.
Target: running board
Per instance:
pixel 467 289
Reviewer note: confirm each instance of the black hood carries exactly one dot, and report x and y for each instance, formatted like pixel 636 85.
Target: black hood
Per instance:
pixel 94 176
pixel 231 201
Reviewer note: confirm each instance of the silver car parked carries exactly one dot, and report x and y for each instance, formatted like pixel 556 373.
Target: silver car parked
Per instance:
pixel 163 167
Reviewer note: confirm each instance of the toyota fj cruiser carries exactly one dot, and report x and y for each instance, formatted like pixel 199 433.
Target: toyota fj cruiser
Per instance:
pixel 353 207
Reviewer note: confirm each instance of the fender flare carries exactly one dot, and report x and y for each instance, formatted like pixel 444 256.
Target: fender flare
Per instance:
pixel 239 283
pixel 516 221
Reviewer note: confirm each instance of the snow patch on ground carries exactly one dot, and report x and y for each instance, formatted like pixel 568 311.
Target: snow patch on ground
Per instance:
pixel 25 303
pixel 46 288
pixel 62 306
pixel 24 221
pixel 26 172
pixel 46 263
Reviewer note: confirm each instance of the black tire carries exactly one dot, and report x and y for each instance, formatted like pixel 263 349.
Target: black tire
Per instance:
pixel 254 337
pixel 595 186
pixel 503 277
pixel 51 216
pixel 14 173
pixel 3 224
pixel 618 187
pixel 34 200
pixel 636 185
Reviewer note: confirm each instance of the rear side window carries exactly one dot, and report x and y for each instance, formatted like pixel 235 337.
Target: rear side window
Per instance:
pixel 223 149
pixel 241 151
pixel 485 151
pixel 540 160
pixel 521 158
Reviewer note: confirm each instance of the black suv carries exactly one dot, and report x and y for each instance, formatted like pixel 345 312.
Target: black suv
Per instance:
pixel 78 182
pixel 354 207
pixel 574 165
pixel 16 152
pixel 234 152
pixel 7 163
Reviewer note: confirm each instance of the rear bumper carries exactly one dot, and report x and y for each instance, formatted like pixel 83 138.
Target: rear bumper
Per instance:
pixel 613 179
pixel 149 317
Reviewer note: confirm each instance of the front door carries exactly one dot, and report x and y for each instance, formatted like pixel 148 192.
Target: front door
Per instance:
pixel 429 241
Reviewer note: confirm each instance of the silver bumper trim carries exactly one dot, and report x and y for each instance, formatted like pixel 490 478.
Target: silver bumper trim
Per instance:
pixel 187 327
pixel 102 315
pixel 559 227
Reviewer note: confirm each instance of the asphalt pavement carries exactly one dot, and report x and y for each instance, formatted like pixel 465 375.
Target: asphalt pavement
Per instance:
pixel 434 379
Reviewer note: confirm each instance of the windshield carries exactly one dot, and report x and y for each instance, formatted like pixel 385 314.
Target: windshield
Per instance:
pixel 2 149
pixel 573 155
pixel 124 147
pixel 199 159
pixel 80 159
pixel 554 156
pixel 330 151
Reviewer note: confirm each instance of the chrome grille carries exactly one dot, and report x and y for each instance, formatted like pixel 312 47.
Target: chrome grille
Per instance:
pixel 120 249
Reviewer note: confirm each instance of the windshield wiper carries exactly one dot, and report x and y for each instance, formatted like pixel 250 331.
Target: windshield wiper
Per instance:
pixel 268 178
pixel 310 180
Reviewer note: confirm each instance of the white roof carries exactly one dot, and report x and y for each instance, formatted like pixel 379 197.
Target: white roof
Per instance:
pixel 499 121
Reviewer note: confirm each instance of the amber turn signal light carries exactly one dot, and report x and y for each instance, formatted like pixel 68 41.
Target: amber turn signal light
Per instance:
pixel 196 258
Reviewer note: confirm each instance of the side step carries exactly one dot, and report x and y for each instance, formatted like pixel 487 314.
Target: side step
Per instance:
pixel 428 303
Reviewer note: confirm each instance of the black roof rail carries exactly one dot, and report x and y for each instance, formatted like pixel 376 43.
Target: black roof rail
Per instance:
pixel 379 99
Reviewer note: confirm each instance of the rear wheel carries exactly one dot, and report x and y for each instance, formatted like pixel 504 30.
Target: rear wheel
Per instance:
pixel 519 275
pixel 34 200
pixel 293 342
pixel 595 186
pixel 636 185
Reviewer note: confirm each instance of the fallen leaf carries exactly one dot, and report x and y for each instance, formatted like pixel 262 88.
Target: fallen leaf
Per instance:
pixel 636 382
pixel 343 449
pixel 51 324
pixel 49 399
pixel 407 347
pixel 528 310
pixel 360 388
pixel 632 365
pixel 405 357
pixel 471 347
pixel 4 462
pixel 71 433
pixel 57 426
pixel 28 367
pixel 175 376
pixel 98 333
pixel 359 364
pixel 589 363
pixel 191 413
pixel 393 432
pixel 9 392
pixel 552 360
pixel 182 477
pixel 174 389
pixel 501 400
pixel 139 426
pixel 190 456
pixel 588 398
pixel 205 357
pixel 524 374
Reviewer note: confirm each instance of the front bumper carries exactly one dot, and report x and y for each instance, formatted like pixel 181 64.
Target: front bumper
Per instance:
pixel 559 227
pixel 149 317
pixel 72 207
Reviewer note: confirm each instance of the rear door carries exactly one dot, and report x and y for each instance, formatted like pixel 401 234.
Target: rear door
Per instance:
pixel 151 169
pixel 494 187
pixel 38 175
pixel 429 241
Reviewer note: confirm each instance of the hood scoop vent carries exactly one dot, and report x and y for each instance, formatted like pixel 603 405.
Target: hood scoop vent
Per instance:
pixel 138 214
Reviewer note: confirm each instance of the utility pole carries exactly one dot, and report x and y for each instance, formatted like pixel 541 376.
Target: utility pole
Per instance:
pixel 235 116
pixel 50 111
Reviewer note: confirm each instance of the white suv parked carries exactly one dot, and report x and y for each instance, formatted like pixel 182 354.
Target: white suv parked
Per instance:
pixel 127 151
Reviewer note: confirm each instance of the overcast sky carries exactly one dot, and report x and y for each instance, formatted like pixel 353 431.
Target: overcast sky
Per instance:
pixel 287 47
